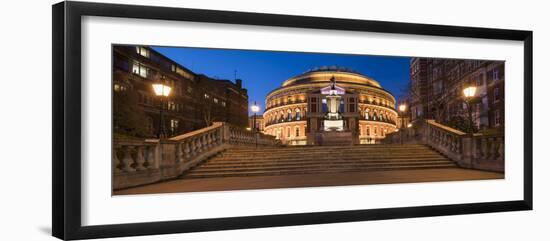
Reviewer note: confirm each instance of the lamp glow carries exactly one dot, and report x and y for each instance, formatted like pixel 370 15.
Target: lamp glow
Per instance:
pixel 402 107
pixel 161 90
pixel 469 92
pixel 255 108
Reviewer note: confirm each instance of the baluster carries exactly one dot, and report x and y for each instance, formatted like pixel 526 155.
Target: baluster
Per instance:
pixel 215 138
pixel 187 150
pixel 205 142
pixel 483 148
pixel 127 160
pixel 453 144
pixel 198 143
pixel 116 162
pixel 179 152
pixel 151 163
pixel 209 138
pixel 193 147
pixel 500 149
pixel 492 148
pixel 140 161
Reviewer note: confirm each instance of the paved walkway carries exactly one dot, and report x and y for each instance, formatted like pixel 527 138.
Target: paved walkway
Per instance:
pixel 312 180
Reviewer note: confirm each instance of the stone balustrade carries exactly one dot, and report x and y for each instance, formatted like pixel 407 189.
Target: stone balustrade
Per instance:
pixel 139 162
pixel 480 151
pixel 488 152
pixel 134 162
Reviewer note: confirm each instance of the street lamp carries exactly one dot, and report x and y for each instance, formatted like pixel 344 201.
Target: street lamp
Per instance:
pixel 469 94
pixel 255 108
pixel 162 91
pixel 402 108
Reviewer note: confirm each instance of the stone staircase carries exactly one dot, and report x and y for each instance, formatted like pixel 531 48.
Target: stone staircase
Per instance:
pixel 264 161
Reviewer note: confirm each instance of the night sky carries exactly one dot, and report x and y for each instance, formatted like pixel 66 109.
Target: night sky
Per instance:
pixel 263 71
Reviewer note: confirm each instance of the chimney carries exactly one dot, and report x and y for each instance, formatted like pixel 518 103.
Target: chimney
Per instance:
pixel 239 83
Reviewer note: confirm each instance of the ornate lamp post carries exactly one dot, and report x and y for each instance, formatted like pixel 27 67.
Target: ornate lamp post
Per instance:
pixel 469 94
pixel 402 108
pixel 255 108
pixel 162 91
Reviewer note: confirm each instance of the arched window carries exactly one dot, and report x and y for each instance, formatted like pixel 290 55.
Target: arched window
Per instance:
pixel 298 115
pixel 297 131
pixel 289 115
pixel 281 116
pixel 367 114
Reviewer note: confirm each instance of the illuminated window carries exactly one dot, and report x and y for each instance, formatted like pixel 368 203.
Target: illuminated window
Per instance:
pixel 174 124
pixel 223 103
pixel 171 105
pixel 206 96
pixel 496 74
pixel 216 100
pixel 140 70
pixel 118 87
pixel 289 115
pixel 143 52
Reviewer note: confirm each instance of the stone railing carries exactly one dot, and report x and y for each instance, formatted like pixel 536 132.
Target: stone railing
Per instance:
pixel 488 152
pixel 484 152
pixel 135 162
pixel 446 140
pixel 144 162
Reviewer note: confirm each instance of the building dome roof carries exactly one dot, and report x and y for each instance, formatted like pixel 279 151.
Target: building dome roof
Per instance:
pixel 325 73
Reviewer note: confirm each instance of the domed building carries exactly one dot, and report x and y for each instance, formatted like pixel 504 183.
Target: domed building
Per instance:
pixel 330 105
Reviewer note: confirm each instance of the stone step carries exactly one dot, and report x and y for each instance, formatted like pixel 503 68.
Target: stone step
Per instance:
pixel 326 148
pixel 324 158
pixel 275 152
pixel 334 154
pixel 311 171
pixel 318 159
pixel 314 164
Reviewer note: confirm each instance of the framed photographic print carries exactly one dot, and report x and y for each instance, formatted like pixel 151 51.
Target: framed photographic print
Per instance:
pixel 170 120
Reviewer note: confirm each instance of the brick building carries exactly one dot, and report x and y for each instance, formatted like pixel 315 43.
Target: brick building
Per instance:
pixel 436 90
pixel 194 101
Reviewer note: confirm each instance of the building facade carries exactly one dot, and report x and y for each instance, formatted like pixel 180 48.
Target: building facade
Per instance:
pixel 195 100
pixel 436 91
pixel 296 112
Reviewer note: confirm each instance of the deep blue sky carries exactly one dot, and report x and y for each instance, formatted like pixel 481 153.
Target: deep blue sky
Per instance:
pixel 263 71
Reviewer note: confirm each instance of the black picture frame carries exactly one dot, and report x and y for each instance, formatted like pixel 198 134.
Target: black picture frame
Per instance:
pixel 66 47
